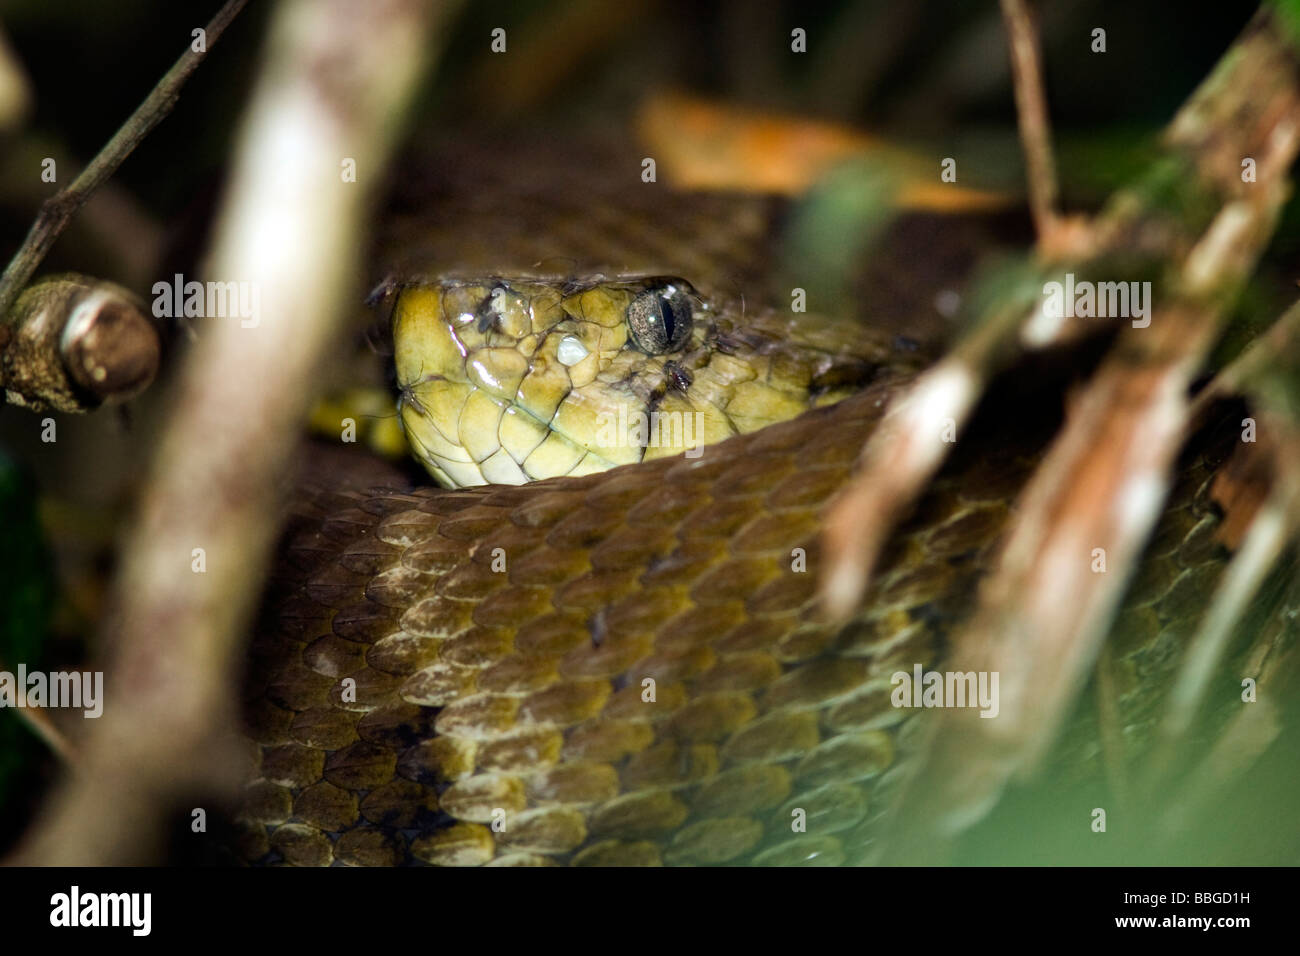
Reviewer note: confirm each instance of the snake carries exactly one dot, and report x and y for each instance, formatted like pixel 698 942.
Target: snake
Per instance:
pixel 595 640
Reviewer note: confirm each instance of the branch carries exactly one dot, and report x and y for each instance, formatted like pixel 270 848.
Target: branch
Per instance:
pixel 1031 108
pixel 1243 109
pixel 39 723
pixel 72 343
pixel 335 81
pixel 59 209
pixel 1046 608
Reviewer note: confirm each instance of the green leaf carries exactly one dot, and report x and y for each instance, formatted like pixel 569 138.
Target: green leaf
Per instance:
pixel 26 594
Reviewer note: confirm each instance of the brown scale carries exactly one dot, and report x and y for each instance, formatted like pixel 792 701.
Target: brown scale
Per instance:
pixel 408 697
pixel 516 695
pixel 482 694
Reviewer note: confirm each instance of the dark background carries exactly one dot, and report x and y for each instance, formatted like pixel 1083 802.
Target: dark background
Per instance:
pixel 930 72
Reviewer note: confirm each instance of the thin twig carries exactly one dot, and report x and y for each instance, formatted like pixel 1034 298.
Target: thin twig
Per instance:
pixel 1281 339
pixel 1269 533
pixel 1031 109
pixel 59 209
pixel 40 724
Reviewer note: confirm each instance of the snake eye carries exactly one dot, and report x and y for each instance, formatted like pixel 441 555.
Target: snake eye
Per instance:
pixel 659 319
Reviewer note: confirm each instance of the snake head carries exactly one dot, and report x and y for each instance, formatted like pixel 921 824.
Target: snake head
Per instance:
pixel 510 380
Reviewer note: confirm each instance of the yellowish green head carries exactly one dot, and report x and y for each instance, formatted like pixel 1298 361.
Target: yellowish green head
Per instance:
pixel 513 380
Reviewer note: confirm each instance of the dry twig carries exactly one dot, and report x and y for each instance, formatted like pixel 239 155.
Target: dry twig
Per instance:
pixel 1047 606
pixel 1031 107
pixel 59 209
pixel 333 86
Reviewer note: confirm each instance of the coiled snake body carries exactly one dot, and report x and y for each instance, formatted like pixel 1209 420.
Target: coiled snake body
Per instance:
pixel 624 666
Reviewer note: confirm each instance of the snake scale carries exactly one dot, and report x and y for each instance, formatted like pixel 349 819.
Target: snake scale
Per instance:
pixel 626 667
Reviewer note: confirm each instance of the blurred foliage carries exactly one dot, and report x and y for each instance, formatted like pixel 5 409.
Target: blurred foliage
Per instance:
pixel 921 68
pixel 26 596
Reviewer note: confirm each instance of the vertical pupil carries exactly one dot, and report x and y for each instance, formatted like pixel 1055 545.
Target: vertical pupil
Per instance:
pixel 666 315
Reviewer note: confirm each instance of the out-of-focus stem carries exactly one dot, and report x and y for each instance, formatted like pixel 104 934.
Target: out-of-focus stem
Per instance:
pixel 333 86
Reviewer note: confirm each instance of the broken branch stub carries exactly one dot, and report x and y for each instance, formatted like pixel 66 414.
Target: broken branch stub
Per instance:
pixel 72 343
